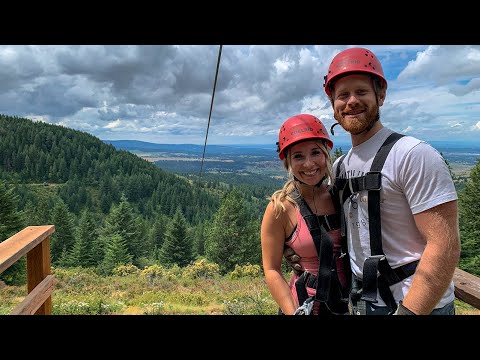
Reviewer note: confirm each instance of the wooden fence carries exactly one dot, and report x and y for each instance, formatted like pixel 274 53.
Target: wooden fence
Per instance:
pixel 33 241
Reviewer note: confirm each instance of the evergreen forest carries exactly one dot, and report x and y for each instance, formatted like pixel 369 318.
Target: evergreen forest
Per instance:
pixel 112 208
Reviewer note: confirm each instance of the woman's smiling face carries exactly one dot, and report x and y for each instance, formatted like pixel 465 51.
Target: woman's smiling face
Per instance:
pixel 308 162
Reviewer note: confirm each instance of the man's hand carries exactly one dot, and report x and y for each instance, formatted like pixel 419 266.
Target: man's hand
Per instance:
pixel 292 259
pixel 402 310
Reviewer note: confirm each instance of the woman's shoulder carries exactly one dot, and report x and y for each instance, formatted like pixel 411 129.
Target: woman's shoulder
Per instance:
pixel 288 205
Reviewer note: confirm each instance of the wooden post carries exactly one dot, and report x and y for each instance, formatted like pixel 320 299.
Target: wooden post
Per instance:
pixel 38 267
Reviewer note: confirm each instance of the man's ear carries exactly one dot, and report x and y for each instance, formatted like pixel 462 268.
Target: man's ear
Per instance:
pixel 381 97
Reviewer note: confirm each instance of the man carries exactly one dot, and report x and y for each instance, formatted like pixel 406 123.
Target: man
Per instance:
pixel 401 225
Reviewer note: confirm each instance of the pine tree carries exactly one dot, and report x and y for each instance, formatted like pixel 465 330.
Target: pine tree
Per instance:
pixel 469 218
pixel 85 238
pixel 11 222
pixel 199 240
pixel 336 154
pixel 65 259
pixel 177 247
pixel 106 192
pixel 122 220
pixel 157 232
pixel 116 254
pixel 39 210
pixel 233 238
pixel 64 236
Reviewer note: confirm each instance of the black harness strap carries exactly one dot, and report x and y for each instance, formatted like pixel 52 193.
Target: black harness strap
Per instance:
pixel 339 188
pixel 324 245
pixel 371 266
pixel 373 186
pixel 377 262
pixel 341 219
pixel 301 287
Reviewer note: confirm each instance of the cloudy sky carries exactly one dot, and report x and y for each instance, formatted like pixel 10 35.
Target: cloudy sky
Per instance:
pixel 163 93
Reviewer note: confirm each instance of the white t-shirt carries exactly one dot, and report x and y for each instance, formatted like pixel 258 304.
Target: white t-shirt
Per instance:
pixel 415 178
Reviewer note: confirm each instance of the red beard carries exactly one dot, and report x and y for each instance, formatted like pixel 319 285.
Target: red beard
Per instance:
pixel 356 125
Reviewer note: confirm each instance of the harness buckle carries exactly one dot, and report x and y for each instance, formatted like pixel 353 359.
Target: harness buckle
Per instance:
pixel 356 306
pixel 360 308
pixel 306 308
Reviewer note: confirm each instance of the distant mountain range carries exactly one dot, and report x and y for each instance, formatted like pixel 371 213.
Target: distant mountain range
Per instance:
pixel 142 146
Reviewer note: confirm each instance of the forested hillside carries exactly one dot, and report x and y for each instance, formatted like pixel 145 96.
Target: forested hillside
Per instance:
pixel 111 207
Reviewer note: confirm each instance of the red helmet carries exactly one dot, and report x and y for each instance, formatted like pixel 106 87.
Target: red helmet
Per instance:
pixel 353 60
pixel 298 128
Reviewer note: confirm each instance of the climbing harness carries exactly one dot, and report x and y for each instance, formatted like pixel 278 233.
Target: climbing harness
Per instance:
pixel 365 290
pixel 333 298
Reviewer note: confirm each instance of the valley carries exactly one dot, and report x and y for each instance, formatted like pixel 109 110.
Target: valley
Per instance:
pixel 260 159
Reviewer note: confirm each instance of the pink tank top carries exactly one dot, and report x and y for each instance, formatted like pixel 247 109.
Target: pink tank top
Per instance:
pixel 302 243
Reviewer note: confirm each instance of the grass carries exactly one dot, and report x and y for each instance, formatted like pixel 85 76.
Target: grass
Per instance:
pixel 82 292
pixel 462 308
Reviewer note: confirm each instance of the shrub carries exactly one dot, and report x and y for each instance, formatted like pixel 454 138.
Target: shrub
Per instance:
pixel 201 269
pixel 248 270
pixel 125 270
pixel 154 271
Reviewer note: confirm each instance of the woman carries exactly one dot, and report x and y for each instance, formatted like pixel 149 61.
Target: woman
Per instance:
pixel 304 146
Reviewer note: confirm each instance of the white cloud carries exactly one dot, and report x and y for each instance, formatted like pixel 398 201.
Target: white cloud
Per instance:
pixel 114 124
pixel 282 66
pixel 163 93
pixel 407 130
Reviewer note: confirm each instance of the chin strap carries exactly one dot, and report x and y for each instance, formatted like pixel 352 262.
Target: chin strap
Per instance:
pixel 331 127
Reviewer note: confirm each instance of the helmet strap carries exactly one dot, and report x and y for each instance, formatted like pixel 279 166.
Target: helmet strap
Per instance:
pixel 331 127
pixel 321 181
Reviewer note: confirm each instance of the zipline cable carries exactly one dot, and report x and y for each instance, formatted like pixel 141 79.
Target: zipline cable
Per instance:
pixel 211 106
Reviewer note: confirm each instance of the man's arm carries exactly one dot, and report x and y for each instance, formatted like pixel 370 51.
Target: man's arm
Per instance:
pixel 439 227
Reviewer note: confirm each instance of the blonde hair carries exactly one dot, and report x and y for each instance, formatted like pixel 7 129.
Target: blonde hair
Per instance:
pixel 285 194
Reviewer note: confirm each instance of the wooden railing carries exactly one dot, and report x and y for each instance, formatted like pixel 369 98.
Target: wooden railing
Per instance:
pixel 467 287
pixel 33 241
